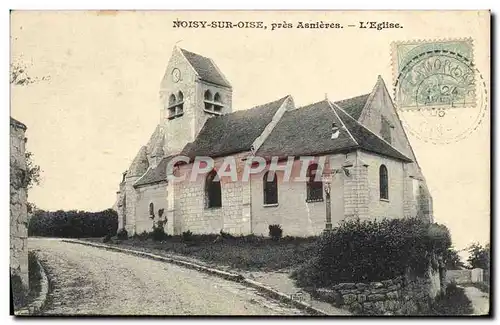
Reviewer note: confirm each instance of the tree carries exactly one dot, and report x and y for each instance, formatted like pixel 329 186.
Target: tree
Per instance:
pixel 33 171
pixel 479 256
pixel 452 260
pixel 19 74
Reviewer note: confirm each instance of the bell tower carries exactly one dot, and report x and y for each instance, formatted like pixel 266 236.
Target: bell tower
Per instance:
pixel 192 90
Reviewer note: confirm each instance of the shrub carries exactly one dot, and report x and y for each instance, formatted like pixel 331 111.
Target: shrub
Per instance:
pixel 275 232
pixel 142 236
pixel 187 236
pixel 226 235
pixel 453 301
pixel 158 233
pixel 365 251
pixel 106 238
pixel 73 224
pixel 18 291
pixel 122 234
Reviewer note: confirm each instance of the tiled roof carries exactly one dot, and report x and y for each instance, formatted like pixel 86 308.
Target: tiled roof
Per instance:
pixel 353 106
pixel 16 123
pixel 367 140
pixel 308 130
pixel 140 164
pixel 155 175
pixel 232 133
pixel 205 68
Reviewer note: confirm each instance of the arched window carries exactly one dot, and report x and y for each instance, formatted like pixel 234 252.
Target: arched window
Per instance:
pixel 209 106
pixel 180 106
pixel 171 106
pixel 217 99
pixel 384 183
pixel 213 195
pixel 208 95
pixel 151 209
pixel 270 188
pixel 314 187
pixel 171 100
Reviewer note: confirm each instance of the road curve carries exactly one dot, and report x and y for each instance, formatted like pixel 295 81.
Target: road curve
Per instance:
pixel 91 281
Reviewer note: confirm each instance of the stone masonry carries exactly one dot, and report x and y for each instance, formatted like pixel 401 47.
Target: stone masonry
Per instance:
pixel 403 295
pixel 18 208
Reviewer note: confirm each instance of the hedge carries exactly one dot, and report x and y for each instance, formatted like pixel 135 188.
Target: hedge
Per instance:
pixel 365 251
pixel 73 224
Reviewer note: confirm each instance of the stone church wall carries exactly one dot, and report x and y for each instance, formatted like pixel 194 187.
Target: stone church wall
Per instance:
pixel 296 216
pixel 156 194
pixel 191 213
pixel 18 200
pixel 394 207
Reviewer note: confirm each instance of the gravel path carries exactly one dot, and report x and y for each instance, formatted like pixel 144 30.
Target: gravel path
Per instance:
pixel 87 280
pixel 480 300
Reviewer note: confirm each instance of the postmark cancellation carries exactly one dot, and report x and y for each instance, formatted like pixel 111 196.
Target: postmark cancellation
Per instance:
pixel 436 82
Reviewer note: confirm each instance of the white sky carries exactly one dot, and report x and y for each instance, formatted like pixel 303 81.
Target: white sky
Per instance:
pixel 87 123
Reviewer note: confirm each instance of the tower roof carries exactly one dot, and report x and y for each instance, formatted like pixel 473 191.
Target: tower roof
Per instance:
pixel 140 164
pixel 205 68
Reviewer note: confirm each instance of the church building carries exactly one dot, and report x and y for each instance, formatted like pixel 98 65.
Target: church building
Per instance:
pixel 358 147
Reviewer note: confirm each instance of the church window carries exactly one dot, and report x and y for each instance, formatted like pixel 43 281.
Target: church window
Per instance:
pixel 179 110
pixel 383 183
pixel 171 106
pixel 213 195
pixel 385 129
pixel 217 103
pixel 175 105
pixel 213 103
pixel 208 101
pixel 270 188
pixel 172 100
pixel 151 210
pixel 314 187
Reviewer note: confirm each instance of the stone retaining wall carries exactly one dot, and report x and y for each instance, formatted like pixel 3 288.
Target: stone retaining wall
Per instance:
pixel 398 296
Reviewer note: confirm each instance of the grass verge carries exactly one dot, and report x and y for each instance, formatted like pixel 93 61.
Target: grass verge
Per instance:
pixel 249 253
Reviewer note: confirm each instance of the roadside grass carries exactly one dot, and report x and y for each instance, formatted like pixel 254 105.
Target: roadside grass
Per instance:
pixel 248 253
pixel 21 297
pixel 453 301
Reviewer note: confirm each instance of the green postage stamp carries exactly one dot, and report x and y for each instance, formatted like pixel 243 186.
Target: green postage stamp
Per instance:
pixel 434 74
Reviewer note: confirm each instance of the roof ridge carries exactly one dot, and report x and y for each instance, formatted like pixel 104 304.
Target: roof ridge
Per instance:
pixel 350 98
pixel 190 52
pixel 257 106
pixel 375 134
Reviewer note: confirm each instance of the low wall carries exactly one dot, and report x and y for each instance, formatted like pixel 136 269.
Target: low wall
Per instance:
pixel 465 276
pixel 398 296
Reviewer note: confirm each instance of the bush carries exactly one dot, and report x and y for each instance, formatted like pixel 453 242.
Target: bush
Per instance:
pixel 73 224
pixel 453 301
pixel 18 291
pixel 187 236
pixel 122 234
pixel 106 238
pixel 275 232
pixel 226 235
pixel 142 236
pixel 158 233
pixel 367 251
